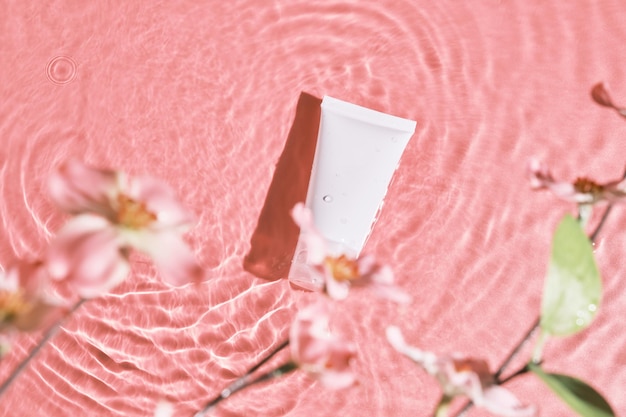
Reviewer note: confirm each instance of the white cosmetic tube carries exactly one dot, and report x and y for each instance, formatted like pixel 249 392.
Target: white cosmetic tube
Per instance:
pixel 357 153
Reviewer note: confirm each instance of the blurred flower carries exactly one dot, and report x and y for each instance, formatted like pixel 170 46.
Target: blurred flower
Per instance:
pixel 581 191
pixel 164 409
pixel 463 377
pixel 112 215
pixel 602 97
pixel 341 272
pixel 24 304
pixel 315 350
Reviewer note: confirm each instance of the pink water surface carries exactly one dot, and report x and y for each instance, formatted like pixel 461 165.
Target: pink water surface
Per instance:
pixel 203 94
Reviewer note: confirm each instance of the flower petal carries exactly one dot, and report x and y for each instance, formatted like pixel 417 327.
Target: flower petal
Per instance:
pixel 601 96
pixel 315 350
pixel 539 174
pixel 370 269
pixel 380 278
pixel 395 338
pixel 86 253
pixel 10 280
pixel 171 255
pixel 391 293
pixel 78 188
pixel 310 322
pixel 32 277
pixel 337 372
pixel 31 308
pixel 161 200
pixel 463 376
pixel 6 342
pixel 502 402
pixel 315 243
pixel 164 409
pixel 541 178
pixel 337 290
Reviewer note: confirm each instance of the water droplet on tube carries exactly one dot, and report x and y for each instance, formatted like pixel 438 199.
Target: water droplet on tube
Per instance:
pixel 328 198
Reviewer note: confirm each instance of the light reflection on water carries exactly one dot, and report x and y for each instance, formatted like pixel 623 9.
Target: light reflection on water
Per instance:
pixel 204 97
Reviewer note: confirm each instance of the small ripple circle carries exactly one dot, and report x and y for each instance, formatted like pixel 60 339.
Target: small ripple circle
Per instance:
pixel 61 69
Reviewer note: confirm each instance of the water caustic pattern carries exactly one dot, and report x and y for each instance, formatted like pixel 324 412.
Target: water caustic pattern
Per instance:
pixel 203 95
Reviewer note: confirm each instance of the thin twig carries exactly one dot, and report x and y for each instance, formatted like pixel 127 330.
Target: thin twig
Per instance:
pixel 49 334
pixel 268 357
pixel 524 369
pixel 506 363
pixel 521 371
pixel 533 329
pixel 244 381
pixel 535 325
pixel 596 232
pixel 517 348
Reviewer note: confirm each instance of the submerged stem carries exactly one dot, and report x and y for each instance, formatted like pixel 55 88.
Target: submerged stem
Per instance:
pixel 537 322
pixel 524 369
pixel 596 232
pixel 507 361
pixel 529 334
pixel 245 381
pixel 268 357
pixel 52 330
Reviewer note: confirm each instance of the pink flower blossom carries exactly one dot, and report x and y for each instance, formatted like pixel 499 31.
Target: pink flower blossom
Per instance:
pixel 112 215
pixel 581 191
pixel 315 350
pixel 24 303
pixel 164 409
pixel 460 376
pixel 342 272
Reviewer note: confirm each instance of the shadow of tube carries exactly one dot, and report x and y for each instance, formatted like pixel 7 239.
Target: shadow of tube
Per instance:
pixel 274 240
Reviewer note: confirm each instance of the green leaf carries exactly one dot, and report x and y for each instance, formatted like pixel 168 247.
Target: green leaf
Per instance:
pixel 573 286
pixel 583 399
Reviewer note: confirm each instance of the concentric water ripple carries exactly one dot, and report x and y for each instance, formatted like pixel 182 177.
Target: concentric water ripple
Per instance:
pixel 204 98
pixel 61 70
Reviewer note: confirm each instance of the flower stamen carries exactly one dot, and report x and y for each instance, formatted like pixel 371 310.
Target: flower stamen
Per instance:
pixel 342 268
pixel 133 214
pixel 12 306
pixel 587 186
